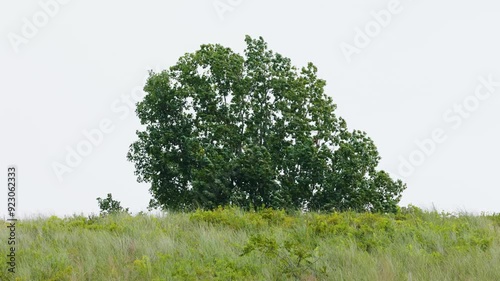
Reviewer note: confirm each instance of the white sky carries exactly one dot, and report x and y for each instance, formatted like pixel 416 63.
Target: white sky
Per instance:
pixel 71 73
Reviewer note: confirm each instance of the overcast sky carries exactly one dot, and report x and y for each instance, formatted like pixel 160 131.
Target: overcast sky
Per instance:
pixel 420 77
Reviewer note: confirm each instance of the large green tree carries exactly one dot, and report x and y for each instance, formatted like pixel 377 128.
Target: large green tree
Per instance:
pixel 252 130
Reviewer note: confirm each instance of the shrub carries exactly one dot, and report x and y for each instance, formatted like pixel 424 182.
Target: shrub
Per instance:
pixel 110 206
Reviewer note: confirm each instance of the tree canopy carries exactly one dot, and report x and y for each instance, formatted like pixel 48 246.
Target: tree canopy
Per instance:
pixel 253 131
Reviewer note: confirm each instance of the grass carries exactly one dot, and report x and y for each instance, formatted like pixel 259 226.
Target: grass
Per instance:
pixel 230 244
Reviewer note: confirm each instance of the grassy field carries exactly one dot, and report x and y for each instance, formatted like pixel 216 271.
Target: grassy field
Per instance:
pixel 229 244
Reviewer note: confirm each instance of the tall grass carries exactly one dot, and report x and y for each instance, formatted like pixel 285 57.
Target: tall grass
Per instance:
pixel 229 244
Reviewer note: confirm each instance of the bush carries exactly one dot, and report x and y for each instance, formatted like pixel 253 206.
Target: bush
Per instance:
pixel 110 206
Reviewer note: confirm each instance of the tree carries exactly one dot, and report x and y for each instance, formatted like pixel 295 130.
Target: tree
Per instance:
pixel 252 130
pixel 110 206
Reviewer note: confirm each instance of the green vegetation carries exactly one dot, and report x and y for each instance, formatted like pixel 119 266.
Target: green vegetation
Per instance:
pixel 253 130
pixel 231 244
pixel 109 205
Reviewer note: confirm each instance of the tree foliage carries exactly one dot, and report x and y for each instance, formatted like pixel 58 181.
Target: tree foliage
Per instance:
pixel 252 130
pixel 110 206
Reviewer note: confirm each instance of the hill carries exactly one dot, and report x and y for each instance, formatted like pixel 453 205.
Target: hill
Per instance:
pixel 230 244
